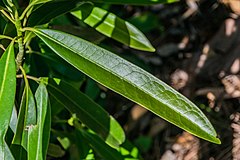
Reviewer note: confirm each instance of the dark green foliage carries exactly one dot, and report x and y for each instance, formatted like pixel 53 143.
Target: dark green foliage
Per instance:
pixel 54 98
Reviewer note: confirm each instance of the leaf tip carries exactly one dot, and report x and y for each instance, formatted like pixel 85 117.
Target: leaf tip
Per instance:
pixel 152 49
pixel 147 48
pixel 217 141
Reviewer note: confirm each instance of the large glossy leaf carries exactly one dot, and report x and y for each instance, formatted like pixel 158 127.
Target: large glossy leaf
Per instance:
pixel 88 112
pixel 7 95
pixel 112 26
pixel 129 81
pixel 36 147
pixel 134 2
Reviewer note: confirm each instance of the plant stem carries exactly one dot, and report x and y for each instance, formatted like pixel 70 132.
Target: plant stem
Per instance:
pixel 20 54
pixel 7 16
pixel 5 37
pixel 29 77
pixel 24 75
pixel 26 10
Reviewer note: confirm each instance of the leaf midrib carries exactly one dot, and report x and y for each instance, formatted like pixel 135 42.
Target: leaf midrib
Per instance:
pixel 123 78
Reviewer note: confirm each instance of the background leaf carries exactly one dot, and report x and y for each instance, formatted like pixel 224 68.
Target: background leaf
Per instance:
pixel 7 95
pixel 112 26
pixel 89 112
pixel 100 146
pixel 129 81
pixel 44 13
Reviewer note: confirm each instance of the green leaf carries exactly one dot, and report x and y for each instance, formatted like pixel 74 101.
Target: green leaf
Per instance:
pixel 27 117
pixel 65 143
pixel 129 150
pixel 45 12
pixel 13 121
pixel 36 133
pixel 100 146
pixel 7 95
pixel 56 107
pixel 134 2
pixel 130 81
pixel 83 149
pixel 79 147
pixel 112 26
pixel 88 112
pixel 46 131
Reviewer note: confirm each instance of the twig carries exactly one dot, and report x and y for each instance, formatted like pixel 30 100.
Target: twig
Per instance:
pixel 28 77
pixel 7 16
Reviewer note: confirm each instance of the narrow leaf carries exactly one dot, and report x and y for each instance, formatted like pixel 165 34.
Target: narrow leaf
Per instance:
pixel 130 81
pixel 36 132
pixel 46 132
pixel 7 95
pixel 27 117
pixel 112 26
pixel 88 112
